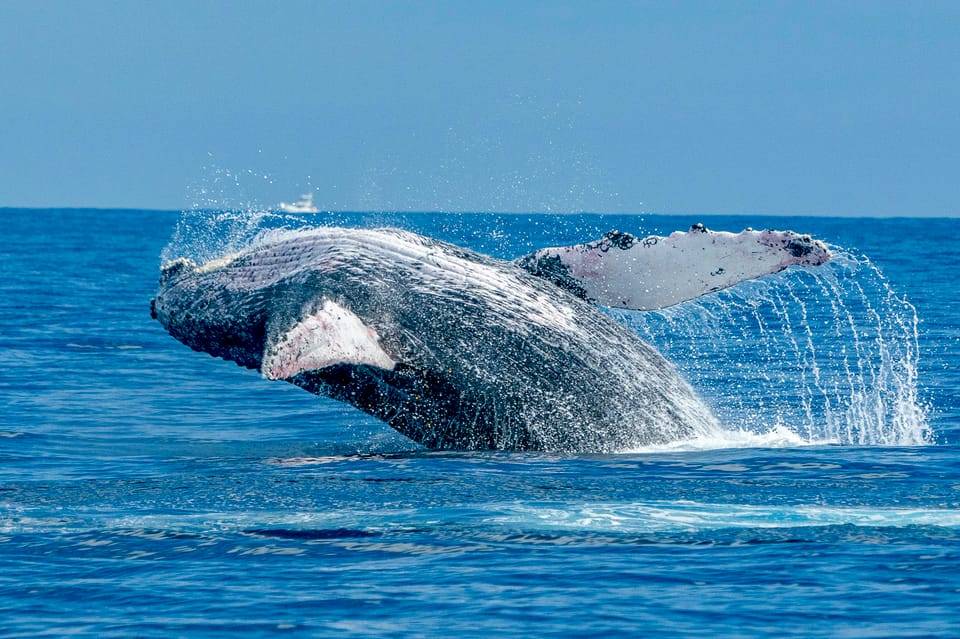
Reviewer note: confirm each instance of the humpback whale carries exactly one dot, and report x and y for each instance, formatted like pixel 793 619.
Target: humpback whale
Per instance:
pixel 458 350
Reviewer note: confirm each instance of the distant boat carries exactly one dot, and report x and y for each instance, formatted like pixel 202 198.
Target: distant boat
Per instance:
pixel 303 205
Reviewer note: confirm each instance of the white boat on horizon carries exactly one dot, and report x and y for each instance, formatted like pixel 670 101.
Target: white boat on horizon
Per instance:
pixel 303 205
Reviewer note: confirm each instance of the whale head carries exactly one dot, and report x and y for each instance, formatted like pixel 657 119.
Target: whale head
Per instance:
pixel 208 317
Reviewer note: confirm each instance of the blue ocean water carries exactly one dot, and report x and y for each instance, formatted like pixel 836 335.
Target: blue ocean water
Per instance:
pixel 149 490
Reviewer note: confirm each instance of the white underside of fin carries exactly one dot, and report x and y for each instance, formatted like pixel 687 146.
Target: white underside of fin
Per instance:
pixel 656 272
pixel 332 335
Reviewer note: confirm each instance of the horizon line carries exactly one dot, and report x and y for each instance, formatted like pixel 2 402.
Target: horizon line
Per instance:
pixel 492 212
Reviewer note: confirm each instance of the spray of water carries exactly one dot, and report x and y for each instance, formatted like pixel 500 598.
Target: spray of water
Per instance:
pixel 829 354
pixel 225 215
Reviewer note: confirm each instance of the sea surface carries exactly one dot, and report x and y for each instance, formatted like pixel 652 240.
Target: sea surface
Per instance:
pixel 147 490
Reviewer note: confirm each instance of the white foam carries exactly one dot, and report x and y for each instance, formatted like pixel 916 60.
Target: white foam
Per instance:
pixel 688 516
pixel 647 517
pixel 778 437
pixel 641 517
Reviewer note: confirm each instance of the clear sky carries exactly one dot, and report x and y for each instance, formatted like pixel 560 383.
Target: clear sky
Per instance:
pixel 765 107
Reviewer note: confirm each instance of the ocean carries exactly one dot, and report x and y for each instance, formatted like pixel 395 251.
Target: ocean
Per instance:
pixel 147 490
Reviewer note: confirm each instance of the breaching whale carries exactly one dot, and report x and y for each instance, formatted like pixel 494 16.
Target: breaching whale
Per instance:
pixel 459 350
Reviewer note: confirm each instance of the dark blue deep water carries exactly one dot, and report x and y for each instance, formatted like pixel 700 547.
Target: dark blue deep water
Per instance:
pixel 149 490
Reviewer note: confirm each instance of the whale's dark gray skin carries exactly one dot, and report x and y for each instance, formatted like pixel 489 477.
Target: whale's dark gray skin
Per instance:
pixel 451 348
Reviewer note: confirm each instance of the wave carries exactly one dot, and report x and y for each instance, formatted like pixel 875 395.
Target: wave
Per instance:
pixel 629 518
pixel 688 516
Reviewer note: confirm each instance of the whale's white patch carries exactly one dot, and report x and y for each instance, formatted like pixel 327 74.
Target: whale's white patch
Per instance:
pixel 332 335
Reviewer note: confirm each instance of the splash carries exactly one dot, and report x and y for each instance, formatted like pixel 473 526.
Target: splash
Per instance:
pixel 225 217
pixel 809 356
pixel 829 354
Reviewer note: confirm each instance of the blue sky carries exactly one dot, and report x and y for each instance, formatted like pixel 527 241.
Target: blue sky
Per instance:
pixel 767 107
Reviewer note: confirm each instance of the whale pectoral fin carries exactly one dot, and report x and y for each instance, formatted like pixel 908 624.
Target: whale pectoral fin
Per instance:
pixel 623 271
pixel 329 336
